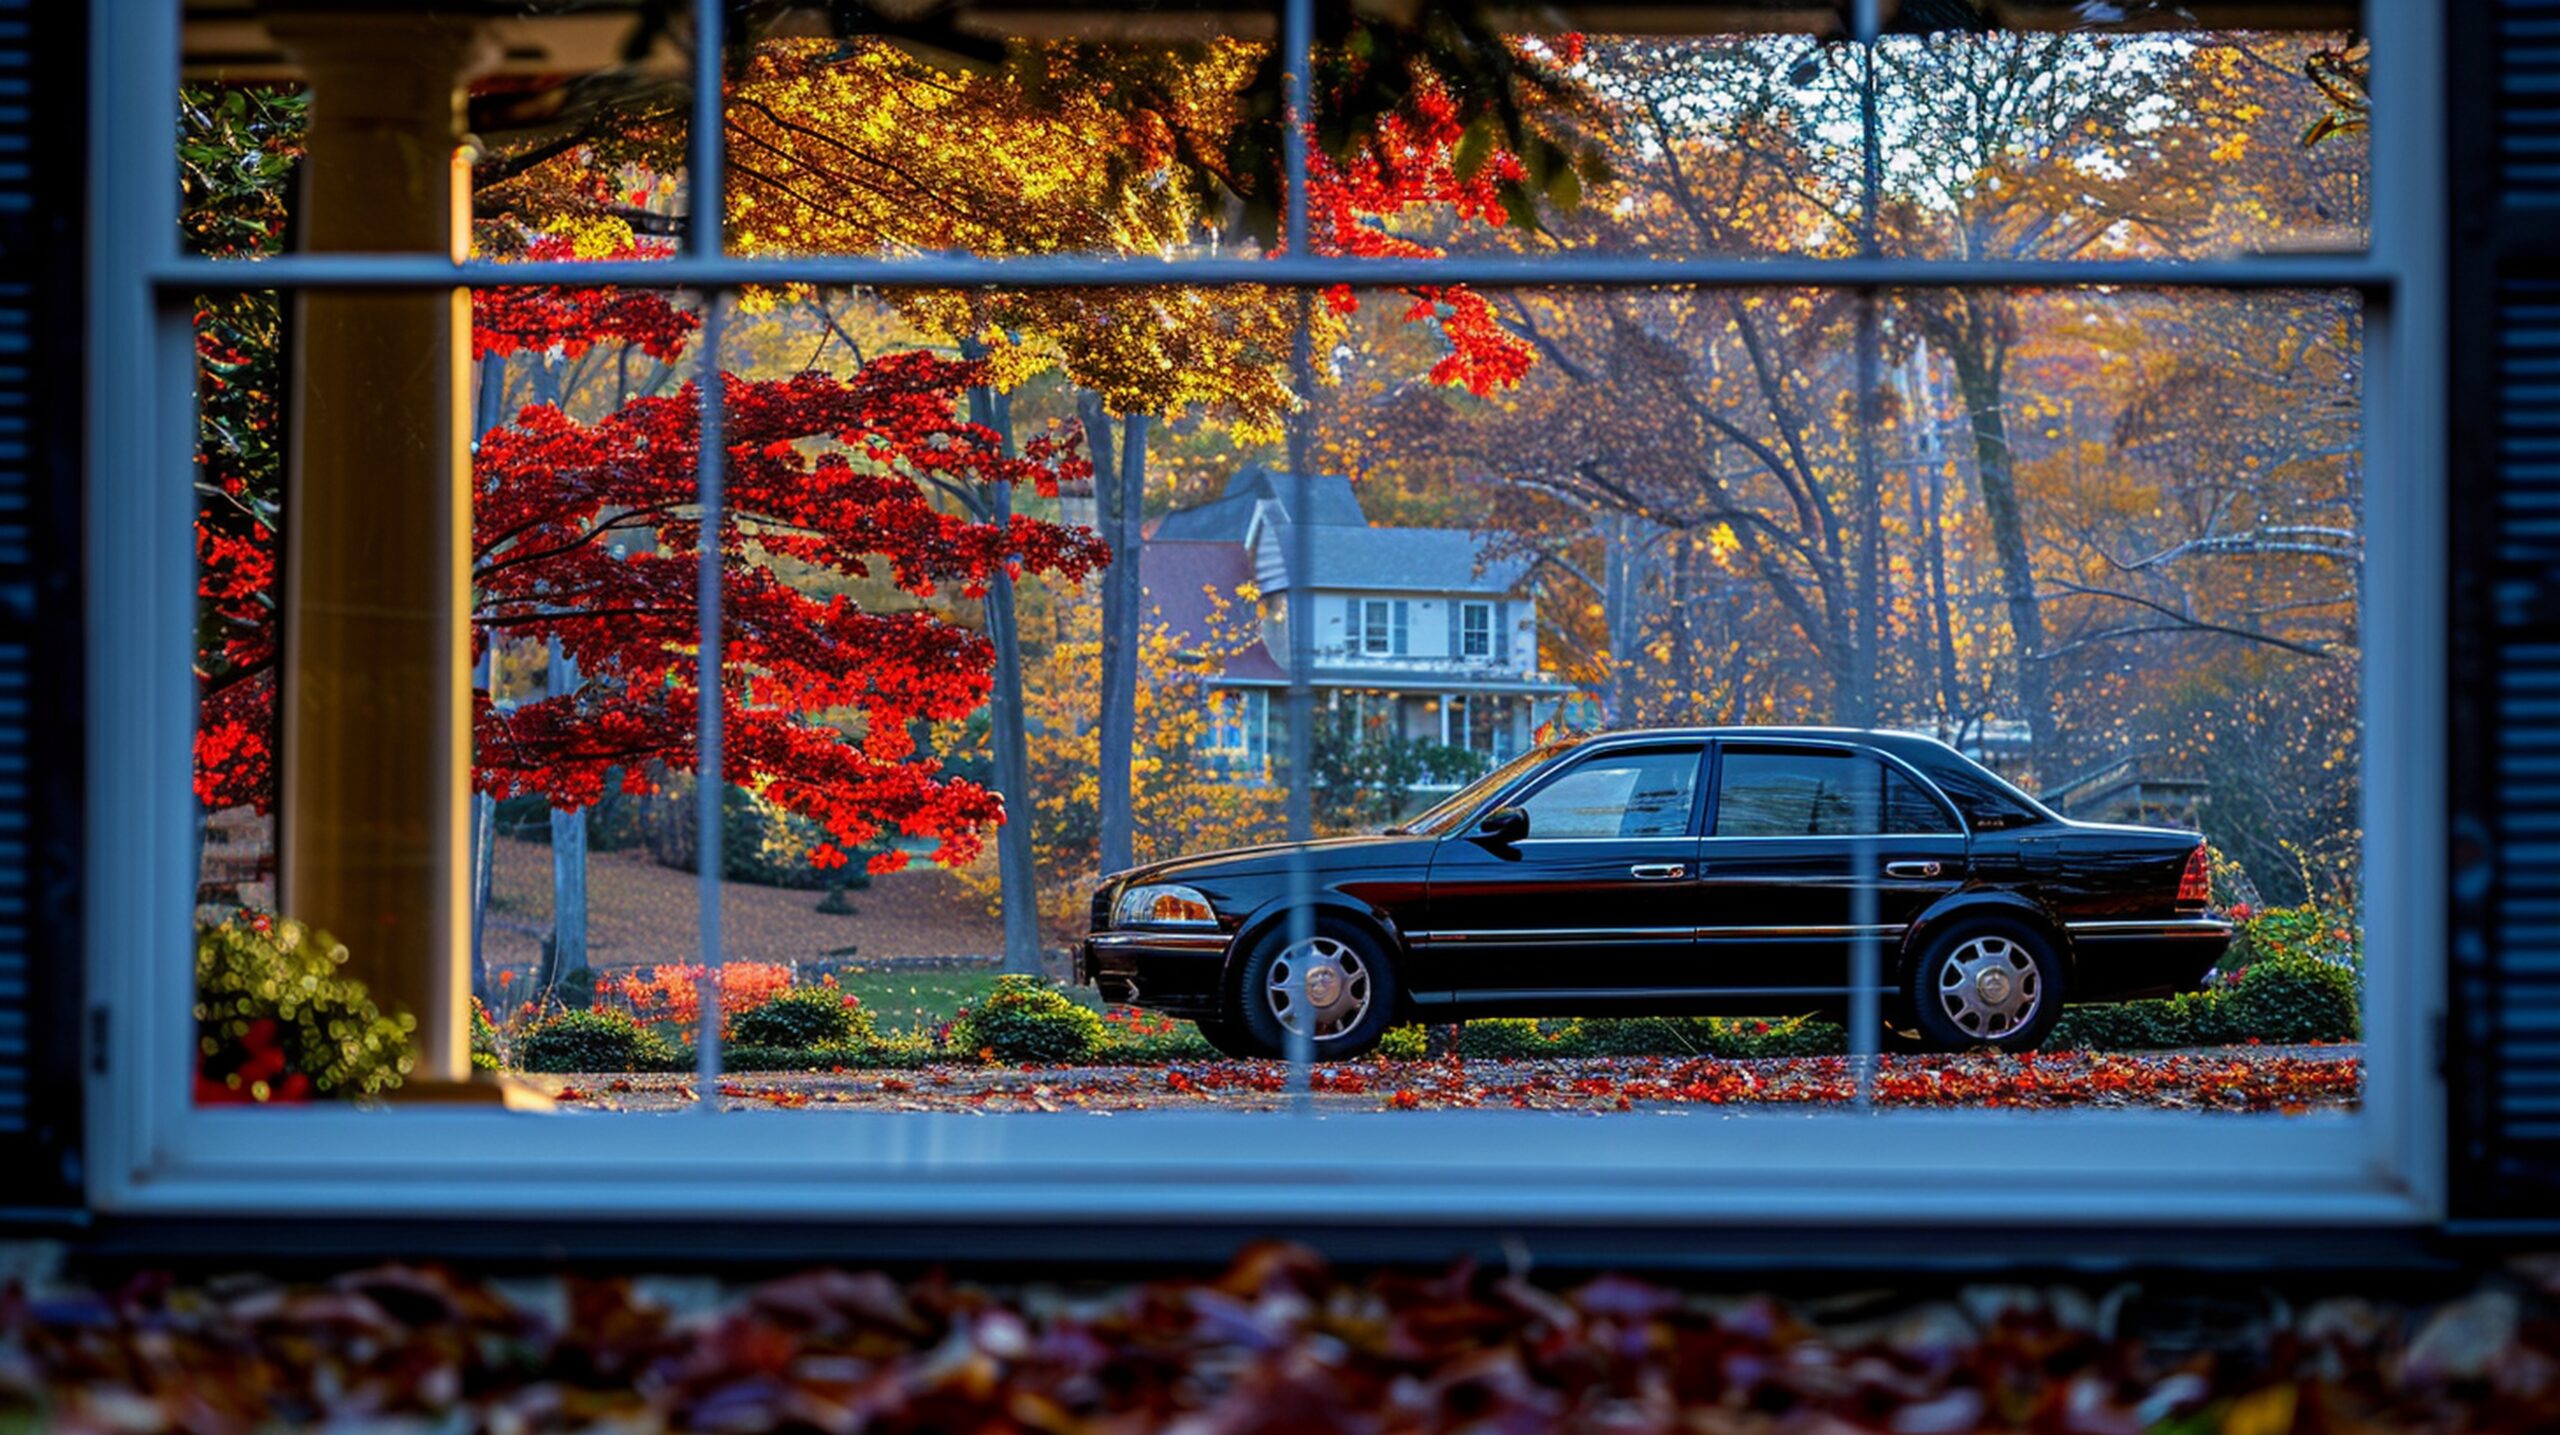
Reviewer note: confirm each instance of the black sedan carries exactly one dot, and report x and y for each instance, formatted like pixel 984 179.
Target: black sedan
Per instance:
pixel 1693 871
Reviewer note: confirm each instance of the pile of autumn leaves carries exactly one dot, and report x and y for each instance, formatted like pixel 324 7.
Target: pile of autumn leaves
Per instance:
pixel 1276 1343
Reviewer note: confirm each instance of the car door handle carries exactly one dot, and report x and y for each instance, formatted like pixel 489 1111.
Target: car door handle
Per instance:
pixel 1912 869
pixel 1658 871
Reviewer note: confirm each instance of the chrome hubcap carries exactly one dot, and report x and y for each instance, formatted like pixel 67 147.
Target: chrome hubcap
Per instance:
pixel 1319 978
pixel 1990 987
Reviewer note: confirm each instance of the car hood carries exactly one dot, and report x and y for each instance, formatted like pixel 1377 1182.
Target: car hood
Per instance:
pixel 1325 854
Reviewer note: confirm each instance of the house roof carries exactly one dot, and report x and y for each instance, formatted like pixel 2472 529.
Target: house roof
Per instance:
pixel 1404 560
pixel 1229 517
pixel 1177 575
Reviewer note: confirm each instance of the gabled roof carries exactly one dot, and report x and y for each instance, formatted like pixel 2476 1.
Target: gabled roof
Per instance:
pixel 1404 560
pixel 1177 575
pixel 1348 552
pixel 1229 518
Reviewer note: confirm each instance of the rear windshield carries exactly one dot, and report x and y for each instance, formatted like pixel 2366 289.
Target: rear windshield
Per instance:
pixel 1988 803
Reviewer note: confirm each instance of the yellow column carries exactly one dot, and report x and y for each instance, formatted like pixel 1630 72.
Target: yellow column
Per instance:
pixel 377 528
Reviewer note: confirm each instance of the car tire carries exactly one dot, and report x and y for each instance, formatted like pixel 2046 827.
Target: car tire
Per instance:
pixel 1350 982
pixel 1989 983
pixel 1229 1038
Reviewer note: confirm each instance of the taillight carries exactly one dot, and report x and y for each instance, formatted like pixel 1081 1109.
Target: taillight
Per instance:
pixel 2195 885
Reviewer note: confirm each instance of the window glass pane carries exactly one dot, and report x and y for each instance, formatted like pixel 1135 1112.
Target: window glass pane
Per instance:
pixel 2087 142
pixel 1644 794
pixel 1145 135
pixel 1658 532
pixel 1793 794
pixel 1909 808
pixel 576 127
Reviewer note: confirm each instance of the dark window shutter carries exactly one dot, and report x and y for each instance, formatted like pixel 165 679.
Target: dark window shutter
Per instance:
pixel 1502 633
pixel 2502 1049
pixel 1396 627
pixel 1457 631
pixel 43 56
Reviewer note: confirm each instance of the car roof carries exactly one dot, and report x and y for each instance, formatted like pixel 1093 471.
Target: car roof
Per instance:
pixel 1894 740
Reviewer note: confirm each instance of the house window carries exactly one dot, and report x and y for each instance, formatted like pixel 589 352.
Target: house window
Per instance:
pixel 1475 630
pixel 1236 723
pixel 1744 615
pixel 1382 627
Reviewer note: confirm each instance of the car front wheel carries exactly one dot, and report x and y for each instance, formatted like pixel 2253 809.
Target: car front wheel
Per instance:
pixel 1993 983
pixel 1335 985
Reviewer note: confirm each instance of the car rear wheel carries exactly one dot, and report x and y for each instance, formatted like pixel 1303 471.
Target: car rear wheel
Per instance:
pixel 1987 984
pixel 1336 985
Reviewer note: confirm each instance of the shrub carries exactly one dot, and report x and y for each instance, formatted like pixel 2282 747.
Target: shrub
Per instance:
pixel 1756 1038
pixel 1026 1019
pixel 2291 999
pixel 820 1056
pixel 2287 999
pixel 1512 1039
pixel 277 1020
pixel 604 1040
pixel 484 1039
pixel 802 1017
pixel 670 993
pixel 1129 1034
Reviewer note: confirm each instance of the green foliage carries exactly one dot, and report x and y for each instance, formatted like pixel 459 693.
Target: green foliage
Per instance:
pixel 1731 1038
pixel 271 1005
pixel 816 1016
pixel 737 1056
pixel 1366 778
pixel 2286 999
pixel 607 1040
pixel 1026 1019
pixel 484 1039
pixel 2290 999
pixel 761 844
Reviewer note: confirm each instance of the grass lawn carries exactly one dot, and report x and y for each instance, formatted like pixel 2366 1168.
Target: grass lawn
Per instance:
pixel 910 1001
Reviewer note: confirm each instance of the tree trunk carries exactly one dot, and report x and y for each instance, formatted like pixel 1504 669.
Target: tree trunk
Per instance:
pixel 1121 496
pixel 568 849
pixel 1978 365
pixel 1866 601
pixel 1017 873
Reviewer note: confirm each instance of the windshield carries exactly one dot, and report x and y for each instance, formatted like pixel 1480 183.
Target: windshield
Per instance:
pixel 1453 809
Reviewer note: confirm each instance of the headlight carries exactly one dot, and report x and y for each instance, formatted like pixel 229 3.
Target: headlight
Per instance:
pixel 1162 905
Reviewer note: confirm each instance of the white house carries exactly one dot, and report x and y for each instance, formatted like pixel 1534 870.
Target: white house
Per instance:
pixel 1416 632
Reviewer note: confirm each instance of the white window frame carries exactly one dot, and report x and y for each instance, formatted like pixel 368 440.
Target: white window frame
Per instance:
pixel 1379 615
pixel 1468 612
pixel 151 1151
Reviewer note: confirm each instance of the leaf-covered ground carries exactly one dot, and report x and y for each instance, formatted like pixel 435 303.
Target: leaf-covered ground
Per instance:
pixel 1277 1343
pixel 2280 1079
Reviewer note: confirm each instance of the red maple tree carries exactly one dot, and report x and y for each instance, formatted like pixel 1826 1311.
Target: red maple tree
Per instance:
pixel 588 532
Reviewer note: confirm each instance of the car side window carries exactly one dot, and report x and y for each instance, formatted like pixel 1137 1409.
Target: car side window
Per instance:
pixel 1619 794
pixel 1909 808
pixel 1816 792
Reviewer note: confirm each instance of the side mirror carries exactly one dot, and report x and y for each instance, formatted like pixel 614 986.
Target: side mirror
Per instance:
pixel 1503 826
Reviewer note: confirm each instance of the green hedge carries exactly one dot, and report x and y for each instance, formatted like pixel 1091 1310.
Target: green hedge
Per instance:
pixel 580 1041
pixel 805 1017
pixel 2281 999
pixel 1732 1038
pixel 1026 1019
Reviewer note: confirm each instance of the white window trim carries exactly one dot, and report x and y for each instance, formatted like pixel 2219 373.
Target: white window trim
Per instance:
pixel 150 1151
pixel 1467 612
